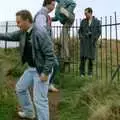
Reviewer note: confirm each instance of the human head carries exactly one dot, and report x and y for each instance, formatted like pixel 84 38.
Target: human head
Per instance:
pixel 49 4
pixel 24 19
pixel 88 12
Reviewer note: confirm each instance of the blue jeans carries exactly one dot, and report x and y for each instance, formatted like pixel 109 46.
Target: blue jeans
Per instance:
pixel 30 78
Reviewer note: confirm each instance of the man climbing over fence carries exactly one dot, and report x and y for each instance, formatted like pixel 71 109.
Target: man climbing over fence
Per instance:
pixel 65 14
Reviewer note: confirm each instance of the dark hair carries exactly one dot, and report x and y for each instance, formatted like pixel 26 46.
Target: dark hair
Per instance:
pixel 89 10
pixel 47 2
pixel 25 14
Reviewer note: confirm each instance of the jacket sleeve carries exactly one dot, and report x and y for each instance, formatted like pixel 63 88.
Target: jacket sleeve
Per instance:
pixel 14 36
pixel 54 18
pixel 80 31
pixel 45 45
pixel 57 10
pixel 97 30
pixel 69 5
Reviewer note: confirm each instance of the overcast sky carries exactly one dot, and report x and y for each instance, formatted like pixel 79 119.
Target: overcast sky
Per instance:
pixel 8 8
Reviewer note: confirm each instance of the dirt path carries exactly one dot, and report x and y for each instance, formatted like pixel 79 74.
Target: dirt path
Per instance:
pixel 54 99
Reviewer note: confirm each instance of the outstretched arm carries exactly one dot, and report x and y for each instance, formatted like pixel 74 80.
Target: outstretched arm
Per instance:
pixel 14 36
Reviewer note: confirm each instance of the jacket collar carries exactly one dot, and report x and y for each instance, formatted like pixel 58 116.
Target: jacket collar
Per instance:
pixel 44 10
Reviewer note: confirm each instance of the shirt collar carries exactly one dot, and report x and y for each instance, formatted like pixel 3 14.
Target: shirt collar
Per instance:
pixel 45 9
pixel 29 30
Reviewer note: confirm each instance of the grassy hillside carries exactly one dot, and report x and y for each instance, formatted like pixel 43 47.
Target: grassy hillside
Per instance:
pixel 79 99
pixel 8 101
pixel 88 99
pixel 10 71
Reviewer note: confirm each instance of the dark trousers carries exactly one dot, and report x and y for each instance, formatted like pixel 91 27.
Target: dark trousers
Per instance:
pixel 55 70
pixel 83 65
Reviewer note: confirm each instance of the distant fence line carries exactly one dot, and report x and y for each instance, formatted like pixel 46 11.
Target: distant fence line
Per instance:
pixel 107 59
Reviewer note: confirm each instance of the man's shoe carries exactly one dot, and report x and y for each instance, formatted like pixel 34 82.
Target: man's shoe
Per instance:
pixel 23 116
pixel 82 76
pixel 90 76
